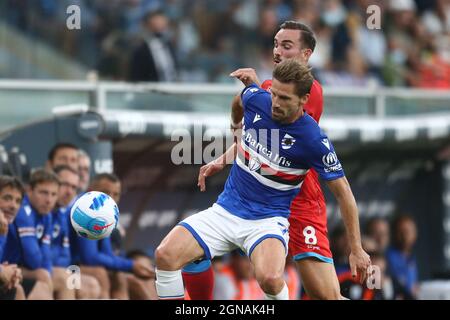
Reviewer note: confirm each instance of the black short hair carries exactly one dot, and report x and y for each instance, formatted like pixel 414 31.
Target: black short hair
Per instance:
pixel 59 146
pixel 108 176
pixel 307 38
pixel 11 182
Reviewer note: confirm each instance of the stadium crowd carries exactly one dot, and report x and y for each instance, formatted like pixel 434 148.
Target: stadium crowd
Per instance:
pixel 202 40
pixel 38 244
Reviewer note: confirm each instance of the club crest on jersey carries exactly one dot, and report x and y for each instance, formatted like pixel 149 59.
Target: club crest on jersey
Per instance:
pixel 287 142
pixel 39 231
pixel 56 230
pixel 254 164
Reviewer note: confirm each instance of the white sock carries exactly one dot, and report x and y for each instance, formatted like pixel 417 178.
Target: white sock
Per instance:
pixel 169 284
pixel 282 295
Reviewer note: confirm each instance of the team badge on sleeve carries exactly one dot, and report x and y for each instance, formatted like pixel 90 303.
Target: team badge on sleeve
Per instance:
pixel 331 162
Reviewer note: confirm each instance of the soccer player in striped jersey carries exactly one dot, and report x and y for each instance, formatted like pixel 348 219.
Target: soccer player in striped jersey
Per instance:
pixel 308 245
pixel 251 213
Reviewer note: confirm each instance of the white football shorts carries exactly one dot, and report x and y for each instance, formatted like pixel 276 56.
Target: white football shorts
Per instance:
pixel 219 232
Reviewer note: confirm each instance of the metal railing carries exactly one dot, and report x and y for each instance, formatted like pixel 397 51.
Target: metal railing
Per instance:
pixel 23 100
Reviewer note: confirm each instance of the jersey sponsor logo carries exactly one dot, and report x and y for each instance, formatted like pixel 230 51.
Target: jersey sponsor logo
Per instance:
pixel 261 149
pixel 287 142
pixel 257 118
pixel 268 174
pixel 326 143
pixel 331 162
pixel 254 164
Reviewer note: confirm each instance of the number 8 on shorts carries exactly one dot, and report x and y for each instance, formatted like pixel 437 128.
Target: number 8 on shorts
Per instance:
pixel 310 235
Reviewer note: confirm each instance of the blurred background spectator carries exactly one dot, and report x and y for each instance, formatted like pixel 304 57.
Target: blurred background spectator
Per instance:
pixel 202 40
pixel 378 229
pixel 235 280
pixel 154 59
pixel 402 263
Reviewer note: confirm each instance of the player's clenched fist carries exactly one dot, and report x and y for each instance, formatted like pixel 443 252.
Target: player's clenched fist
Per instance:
pixel 246 75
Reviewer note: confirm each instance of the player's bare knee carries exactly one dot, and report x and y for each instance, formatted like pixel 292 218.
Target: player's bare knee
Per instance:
pixel 44 276
pixel 92 288
pixel 59 278
pixel 41 291
pixel 20 293
pixel 165 259
pixel 271 283
pixel 101 275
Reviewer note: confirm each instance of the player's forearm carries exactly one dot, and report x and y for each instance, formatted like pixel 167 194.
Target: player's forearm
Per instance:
pixel 349 210
pixel 237 111
pixel 228 157
pixel 40 274
pixel 350 217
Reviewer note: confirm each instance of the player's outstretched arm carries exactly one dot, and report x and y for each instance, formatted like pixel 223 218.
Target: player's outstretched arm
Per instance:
pixel 237 113
pixel 213 167
pixel 359 260
pixel 216 166
pixel 246 75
